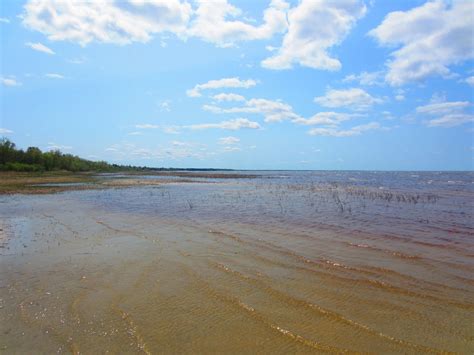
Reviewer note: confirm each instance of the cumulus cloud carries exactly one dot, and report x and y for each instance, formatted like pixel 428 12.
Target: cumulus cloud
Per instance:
pixel 329 124
pixel 314 26
pixel 326 118
pixel 446 113
pixel 233 125
pixel 212 25
pixel 219 84
pixel 335 132
pixel 4 20
pixel 451 120
pixel 228 97
pixel 430 38
pixel 39 47
pixel 106 21
pixel 139 20
pixel 440 108
pixel 276 111
pixel 354 98
pixel 229 140
pixel 273 111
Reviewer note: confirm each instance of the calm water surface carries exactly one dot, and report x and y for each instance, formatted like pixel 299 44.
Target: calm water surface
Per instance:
pixel 303 262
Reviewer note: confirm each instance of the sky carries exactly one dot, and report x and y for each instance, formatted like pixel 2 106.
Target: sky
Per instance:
pixel 310 84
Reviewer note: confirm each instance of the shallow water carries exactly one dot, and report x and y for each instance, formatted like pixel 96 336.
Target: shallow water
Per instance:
pixel 286 262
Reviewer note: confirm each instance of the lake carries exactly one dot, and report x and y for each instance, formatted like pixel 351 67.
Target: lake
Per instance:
pixel 276 262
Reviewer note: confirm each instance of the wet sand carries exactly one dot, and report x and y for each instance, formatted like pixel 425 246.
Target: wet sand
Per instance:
pixel 81 274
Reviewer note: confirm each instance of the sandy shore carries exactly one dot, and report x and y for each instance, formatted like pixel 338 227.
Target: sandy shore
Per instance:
pixel 54 182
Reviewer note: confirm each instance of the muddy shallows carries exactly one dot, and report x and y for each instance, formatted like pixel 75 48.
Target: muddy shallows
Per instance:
pixel 281 263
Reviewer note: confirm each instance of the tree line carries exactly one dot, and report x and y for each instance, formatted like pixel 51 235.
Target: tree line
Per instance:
pixel 33 159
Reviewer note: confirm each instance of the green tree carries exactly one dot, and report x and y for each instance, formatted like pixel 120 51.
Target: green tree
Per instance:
pixel 7 151
pixel 33 155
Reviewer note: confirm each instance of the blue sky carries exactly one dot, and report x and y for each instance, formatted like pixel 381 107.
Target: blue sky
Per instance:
pixel 314 84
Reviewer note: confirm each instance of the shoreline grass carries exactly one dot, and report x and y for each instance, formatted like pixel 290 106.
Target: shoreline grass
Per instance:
pixel 31 182
pixel 12 182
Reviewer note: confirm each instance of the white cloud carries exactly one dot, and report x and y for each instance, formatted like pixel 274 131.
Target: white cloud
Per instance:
pixel 446 113
pixel 221 83
pixel 228 97
pixel 431 37
pixel 355 98
pixel 146 126
pixel 215 109
pixel 439 108
pixel 139 20
pixel 165 105
pixel 135 133
pixel 10 81
pixel 400 94
pixel 273 111
pixel 230 149
pixel 451 120
pixel 5 131
pixel 39 47
pixel 106 21
pixel 229 140
pixel 470 80
pixel 307 42
pixel 329 121
pixel 366 78
pixel 4 20
pixel 314 26
pixel 326 118
pixel 211 23
pixel 354 131
pixel 387 115
pixel 54 76
pixel 276 111
pixel 234 124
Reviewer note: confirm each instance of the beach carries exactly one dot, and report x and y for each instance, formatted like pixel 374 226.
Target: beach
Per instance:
pixel 276 262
